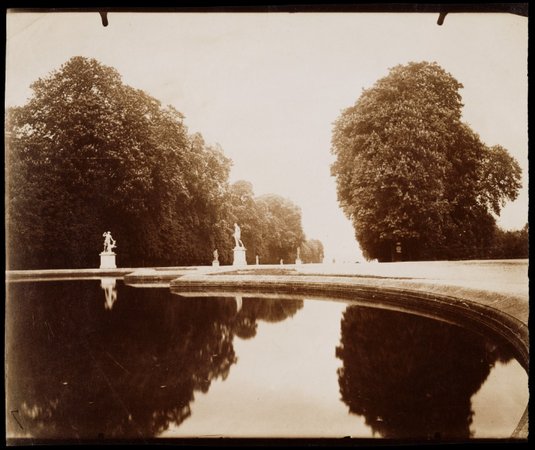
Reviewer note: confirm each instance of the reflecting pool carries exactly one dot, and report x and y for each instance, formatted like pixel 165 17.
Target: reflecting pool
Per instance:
pixel 101 360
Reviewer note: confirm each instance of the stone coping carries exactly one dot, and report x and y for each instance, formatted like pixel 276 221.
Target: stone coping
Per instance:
pixel 504 316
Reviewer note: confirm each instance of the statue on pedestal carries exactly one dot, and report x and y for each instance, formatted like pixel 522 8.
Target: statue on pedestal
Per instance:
pixel 239 249
pixel 298 259
pixel 107 257
pixel 215 262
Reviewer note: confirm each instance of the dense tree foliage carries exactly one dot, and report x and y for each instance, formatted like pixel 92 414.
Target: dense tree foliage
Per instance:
pixel 312 251
pixel 251 218
pixel 270 224
pixel 285 233
pixel 88 154
pixel 510 244
pixel 410 172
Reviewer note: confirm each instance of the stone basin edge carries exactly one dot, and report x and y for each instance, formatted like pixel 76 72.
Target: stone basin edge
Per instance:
pixel 476 309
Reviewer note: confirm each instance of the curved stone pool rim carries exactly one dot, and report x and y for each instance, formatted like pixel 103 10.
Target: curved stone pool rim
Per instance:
pixel 460 310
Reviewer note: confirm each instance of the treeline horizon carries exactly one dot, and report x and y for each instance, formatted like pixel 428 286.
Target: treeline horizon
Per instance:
pixel 89 154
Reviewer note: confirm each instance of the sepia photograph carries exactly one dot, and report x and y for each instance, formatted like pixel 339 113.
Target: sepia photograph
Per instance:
pixel 267 225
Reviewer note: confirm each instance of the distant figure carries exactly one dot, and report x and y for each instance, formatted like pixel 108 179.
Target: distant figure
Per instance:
pixel 257 260
pixel 282 262
pixel 216 255
pixel 109 242
pixel 298 252
pixel 237 236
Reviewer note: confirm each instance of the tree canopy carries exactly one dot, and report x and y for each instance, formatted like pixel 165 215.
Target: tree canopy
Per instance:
pixel 283 219
pixel 411 174
pixel 88 154
pixel 271 224
pixel 312 251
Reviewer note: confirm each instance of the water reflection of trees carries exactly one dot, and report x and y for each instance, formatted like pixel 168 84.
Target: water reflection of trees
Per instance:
pixel 411 377
pixel 266 309
pixel 77 370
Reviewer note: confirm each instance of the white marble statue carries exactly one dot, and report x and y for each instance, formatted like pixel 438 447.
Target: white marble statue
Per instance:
pixel 109 242
pixel 237 236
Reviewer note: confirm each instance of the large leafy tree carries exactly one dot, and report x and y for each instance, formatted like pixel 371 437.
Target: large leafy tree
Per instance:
pixel 88 154
pixel 312 251
pixel 409 171
pixel 251 218
pixel 285 232
pixel 270 224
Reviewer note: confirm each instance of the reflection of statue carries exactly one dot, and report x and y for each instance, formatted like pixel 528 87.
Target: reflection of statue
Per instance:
pixel 109 242
pixel 239 303
pixel 110 291
pixel 416 377
pixel 237 236
pixel 191 344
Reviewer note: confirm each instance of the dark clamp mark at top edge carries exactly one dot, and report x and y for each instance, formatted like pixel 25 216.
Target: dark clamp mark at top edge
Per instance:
pixel 104 17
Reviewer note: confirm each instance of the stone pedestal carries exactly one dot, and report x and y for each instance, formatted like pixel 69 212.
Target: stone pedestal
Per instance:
pixel 107 260
pixel 215 263
pixel 239 257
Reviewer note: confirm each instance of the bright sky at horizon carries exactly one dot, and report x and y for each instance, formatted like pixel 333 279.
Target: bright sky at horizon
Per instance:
pixel 268 86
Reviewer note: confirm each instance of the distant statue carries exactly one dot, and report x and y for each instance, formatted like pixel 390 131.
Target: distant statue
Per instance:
pixel 109 242
pixel 237 236
pixel 298 259
pixel 216 255
pixel 257 262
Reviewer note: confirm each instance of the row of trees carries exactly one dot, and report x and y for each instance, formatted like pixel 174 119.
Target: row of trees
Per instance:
pixel 411 176
pixel 88 154
pixel 271 227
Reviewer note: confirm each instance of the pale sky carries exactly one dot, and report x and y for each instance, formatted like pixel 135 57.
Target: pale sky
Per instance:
pixel 268 86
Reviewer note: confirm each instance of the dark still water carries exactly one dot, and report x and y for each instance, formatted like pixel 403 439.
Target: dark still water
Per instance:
pixel 95 359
